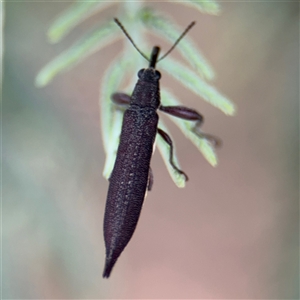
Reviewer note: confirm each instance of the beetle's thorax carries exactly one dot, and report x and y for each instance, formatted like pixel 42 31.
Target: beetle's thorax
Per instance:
pixel 146 91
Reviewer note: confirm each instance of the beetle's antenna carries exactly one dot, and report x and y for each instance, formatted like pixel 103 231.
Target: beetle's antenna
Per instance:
pixel 178 40
pixel 130 39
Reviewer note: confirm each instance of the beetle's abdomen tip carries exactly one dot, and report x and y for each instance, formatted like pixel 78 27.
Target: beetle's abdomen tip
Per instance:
pixel 109 263
pixel 107 271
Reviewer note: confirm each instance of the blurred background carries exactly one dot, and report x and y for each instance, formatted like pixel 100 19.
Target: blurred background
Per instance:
pixel 232 233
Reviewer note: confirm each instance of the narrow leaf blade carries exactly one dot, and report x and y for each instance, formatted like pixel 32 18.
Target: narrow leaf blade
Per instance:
pixel 202 144
pixel 164 150
pixel 91 42
pixel 73 16
pixel 167 29
pixel 192 81
pixel 111 116
pixel 207 6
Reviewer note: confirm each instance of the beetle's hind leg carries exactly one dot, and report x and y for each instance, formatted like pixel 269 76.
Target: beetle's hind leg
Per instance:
pixel 168 140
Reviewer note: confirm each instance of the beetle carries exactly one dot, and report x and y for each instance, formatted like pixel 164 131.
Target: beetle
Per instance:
pixel 132 175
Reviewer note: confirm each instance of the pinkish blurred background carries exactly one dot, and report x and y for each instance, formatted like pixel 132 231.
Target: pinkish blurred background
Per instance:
pixel 232 233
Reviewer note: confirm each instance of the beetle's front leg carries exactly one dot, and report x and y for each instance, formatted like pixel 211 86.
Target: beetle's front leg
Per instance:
pixel 121 99
pixel 190 114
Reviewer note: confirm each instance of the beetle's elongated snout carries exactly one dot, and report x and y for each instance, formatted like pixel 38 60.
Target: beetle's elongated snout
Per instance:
pixel 154 57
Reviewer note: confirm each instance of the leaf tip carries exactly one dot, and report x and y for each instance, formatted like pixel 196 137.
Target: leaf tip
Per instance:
pixel 40 81
pixel 231 110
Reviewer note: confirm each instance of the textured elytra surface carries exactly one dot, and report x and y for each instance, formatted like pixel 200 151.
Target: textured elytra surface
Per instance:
pixel 128 180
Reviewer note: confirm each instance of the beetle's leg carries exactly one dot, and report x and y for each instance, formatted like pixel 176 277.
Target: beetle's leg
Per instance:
pixel 120 99
pixel 168 140
pixel 190 114
pixel 150 180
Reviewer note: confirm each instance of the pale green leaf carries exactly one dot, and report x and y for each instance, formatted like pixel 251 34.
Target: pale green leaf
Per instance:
pixel 164 149
pixel 204 6
pixel 73 16
pixel 203 145
pixel 192 81
pixel 166 28
pixel 111 114
pixel 111 117
pixel 92 42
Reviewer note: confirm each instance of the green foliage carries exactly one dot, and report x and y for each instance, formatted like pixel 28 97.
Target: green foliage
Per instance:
pixel 203 145
pixel 167 29
pixel 73 16
pixel 87 45
pixel 191 80
pixel 136 19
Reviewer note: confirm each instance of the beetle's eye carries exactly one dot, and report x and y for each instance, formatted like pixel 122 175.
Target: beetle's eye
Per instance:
pixel 140 73
pixel 157 75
